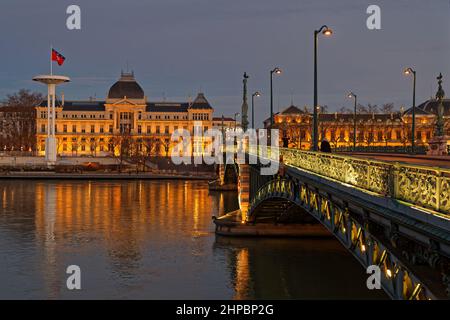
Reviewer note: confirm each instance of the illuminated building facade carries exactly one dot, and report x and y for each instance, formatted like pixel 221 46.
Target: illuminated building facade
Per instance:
pixel 372 130
pixel 126 122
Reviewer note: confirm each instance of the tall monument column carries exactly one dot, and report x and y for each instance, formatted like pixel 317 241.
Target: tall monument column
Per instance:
pixel 438 145
pixel 244 111
pixel 50 142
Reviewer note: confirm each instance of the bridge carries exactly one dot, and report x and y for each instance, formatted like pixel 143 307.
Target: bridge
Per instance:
pixel 392 215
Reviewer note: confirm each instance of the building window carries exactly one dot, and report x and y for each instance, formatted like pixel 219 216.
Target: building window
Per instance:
pixel 64 147
pixel 389 135
pixel 65 128
pixel 380 136
pixel 110 128
pixel 42 128
pixel 83 129
pixel 74 128
pixel 166 129
pixel 102 129
pixel 157 129
pixel 139 128
pixel 149 129
pixel 92 128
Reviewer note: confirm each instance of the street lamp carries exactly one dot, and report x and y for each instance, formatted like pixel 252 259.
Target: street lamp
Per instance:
pixel 409 71
pixel 326 32
pixel 256 94
pixel 354 96
pixel 276 71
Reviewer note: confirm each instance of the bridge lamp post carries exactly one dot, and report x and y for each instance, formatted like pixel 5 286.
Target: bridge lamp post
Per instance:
pixel 256 94
pixel 355 97
pixel 326 32
pixel 409 71
pixel 278 71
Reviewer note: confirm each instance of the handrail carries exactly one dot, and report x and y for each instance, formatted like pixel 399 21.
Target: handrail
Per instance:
pixel 422 186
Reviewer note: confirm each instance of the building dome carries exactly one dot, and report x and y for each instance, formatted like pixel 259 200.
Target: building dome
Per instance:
pixel 126 87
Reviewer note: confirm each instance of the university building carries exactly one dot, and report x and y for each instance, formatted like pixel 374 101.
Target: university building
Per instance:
pixel 126 122
pixel 372 130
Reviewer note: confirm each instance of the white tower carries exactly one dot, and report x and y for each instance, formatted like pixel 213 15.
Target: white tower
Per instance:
pixel 50 142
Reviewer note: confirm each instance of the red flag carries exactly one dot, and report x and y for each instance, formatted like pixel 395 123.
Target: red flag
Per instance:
pixel 58 57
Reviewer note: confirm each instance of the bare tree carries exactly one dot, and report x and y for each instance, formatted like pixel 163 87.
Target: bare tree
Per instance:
pixel 122 142
pixel 372 108
pixel 387 108
pixel 323 109
pixel 23 98
pixel 345 110
pixel 19 120
pixel 361 109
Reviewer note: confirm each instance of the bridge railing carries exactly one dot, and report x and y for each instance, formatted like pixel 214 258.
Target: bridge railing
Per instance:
pixel 422 186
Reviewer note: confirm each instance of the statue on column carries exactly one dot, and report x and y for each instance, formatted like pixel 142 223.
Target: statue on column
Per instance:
pixel 244 111
pixel 440 95
pixel 438 144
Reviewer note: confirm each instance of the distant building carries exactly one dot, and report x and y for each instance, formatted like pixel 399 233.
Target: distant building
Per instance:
pixel 226 123
pixel 126 122
pixel 393 129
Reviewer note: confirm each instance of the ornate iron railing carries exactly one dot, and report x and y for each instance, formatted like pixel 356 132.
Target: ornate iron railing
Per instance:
pixel 425 187
pixel 383 149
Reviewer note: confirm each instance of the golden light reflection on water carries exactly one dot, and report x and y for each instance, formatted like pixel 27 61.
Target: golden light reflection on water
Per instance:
pixel 243 278
pixel 151 240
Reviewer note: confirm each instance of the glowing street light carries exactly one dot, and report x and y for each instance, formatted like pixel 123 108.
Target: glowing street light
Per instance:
pixel 278 72
pixel 407 72
pixel 256 94
pixel 326 32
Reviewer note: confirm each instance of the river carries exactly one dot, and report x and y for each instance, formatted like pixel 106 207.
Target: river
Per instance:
pixel 154 240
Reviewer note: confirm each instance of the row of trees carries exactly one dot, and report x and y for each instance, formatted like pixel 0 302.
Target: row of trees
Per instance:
pixel 18 121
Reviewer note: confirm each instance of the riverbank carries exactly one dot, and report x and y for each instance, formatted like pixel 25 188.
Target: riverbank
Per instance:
pixel 102 176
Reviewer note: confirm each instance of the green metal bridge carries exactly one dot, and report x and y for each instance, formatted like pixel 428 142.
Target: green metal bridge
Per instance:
pixel 392 215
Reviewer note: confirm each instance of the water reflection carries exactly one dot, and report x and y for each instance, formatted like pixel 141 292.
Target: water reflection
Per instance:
pixel 148 240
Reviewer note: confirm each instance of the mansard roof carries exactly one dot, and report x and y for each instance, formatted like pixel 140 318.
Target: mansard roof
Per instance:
pixel 78 105
pixel 418 111
pixel 431 106
pixel 292 110
pixel 167 107
pixel 360 116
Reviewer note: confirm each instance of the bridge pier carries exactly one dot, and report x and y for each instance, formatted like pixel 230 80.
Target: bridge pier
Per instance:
pixel 244 190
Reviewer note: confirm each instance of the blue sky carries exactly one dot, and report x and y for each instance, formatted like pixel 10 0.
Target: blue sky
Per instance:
pixel 180 47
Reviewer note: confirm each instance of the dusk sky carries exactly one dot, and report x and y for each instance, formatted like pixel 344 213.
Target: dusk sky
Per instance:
pixel 180 47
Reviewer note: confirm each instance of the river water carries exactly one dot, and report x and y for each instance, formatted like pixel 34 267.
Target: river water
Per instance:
pixel 154 240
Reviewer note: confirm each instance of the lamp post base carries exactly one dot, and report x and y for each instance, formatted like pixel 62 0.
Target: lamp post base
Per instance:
pixel 50 150
pixel 438 146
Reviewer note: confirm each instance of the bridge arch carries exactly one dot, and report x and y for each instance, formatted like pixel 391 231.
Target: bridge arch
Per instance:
pixel 397 279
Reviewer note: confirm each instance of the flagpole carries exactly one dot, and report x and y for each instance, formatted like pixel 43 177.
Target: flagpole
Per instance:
pixel 51 64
